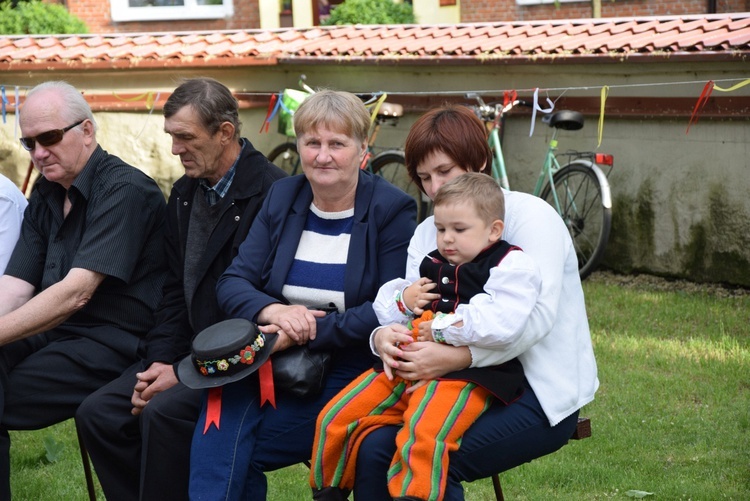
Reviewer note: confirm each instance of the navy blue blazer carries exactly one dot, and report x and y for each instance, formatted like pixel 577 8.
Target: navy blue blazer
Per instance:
pixel 384 222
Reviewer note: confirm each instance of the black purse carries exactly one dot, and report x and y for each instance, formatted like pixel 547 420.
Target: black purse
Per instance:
pixel 300 371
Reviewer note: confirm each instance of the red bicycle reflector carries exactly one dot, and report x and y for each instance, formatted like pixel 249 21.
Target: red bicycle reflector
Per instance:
pixel 604 159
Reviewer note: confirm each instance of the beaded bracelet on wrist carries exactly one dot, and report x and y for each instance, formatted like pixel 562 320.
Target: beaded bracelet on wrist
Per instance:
pixel 401 305
pixel 438 336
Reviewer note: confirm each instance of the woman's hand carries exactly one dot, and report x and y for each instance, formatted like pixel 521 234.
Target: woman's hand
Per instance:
pixel 282 340
pixel 388 342
pixel 418 295
pixel 422 361
pixel 296 321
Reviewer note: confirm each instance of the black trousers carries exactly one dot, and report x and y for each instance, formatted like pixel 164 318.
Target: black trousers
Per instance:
pixel 45 377
pixel 140 457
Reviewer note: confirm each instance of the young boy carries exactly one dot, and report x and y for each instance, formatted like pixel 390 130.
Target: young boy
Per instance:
pixel 473 281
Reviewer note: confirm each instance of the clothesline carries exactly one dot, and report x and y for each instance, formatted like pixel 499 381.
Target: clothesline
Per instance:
pixel 150 98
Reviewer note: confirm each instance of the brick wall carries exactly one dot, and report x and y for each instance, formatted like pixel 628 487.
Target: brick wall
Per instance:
pixel 508 10
pixel 96 13
pixel 97 16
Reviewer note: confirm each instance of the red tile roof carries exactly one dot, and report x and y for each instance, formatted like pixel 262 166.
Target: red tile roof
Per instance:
pixel 707 37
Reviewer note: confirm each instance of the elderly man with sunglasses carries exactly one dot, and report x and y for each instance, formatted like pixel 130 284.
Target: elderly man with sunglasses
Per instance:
pixel 85 277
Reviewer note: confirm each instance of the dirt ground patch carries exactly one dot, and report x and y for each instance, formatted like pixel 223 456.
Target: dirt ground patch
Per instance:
pixel 654 283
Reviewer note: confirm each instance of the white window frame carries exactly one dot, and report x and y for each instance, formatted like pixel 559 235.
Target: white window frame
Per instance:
pixel 121 11
pixel 540 2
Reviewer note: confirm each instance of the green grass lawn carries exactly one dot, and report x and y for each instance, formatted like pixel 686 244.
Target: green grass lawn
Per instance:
pixel 671 417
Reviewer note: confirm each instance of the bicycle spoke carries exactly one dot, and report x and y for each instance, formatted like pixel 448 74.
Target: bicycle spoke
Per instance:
pixel 576 193
pixel 392 167
pixel 286 157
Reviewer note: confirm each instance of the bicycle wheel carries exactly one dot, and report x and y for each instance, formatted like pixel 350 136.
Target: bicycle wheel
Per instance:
pixel 286 157
pixel 392 167
pixel 584 204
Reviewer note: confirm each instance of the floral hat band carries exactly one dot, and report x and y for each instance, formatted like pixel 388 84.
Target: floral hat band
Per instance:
pixel 225 352
pixel 228 365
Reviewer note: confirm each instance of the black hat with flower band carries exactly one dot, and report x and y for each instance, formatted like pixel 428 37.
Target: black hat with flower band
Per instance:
pixel 225 352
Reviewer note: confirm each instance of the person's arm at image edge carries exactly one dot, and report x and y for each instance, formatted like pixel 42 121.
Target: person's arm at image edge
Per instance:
pixel 25 314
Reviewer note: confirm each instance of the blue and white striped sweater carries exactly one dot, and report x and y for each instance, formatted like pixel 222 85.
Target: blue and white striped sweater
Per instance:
pixel 317 273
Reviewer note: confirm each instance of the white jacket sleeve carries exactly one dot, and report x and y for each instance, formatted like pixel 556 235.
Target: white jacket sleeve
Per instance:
pixel 497 317
pixel 385 305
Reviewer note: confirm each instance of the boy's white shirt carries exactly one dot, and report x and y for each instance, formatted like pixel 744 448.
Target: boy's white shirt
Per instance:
pixel 555 346
pixel 498 315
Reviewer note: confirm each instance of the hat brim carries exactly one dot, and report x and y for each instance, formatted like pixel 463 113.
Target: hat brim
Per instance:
pixel 190 377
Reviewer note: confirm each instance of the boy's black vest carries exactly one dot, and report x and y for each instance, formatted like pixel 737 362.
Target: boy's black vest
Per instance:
pixel 457 285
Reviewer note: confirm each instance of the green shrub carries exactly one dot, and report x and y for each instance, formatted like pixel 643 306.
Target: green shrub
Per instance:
pixel 371 12
pixel 37 18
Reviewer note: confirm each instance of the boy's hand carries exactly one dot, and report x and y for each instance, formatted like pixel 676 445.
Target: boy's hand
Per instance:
pixel 418 295
pixel 425 331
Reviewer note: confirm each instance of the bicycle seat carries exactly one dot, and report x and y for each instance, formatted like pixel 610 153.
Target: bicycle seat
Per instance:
pixel 390 110
pixel 565 120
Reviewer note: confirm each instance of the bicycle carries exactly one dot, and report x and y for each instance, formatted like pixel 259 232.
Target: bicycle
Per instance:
pixel 389 164
pixel 578 190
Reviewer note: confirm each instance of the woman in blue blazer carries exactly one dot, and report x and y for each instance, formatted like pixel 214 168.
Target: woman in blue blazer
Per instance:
pixel 332 235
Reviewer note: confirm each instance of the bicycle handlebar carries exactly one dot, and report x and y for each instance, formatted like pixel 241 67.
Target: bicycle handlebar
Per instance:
pixel 302 83
pixel 490 111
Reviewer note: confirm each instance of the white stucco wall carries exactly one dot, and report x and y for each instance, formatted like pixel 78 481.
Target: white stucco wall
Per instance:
pixel 681 204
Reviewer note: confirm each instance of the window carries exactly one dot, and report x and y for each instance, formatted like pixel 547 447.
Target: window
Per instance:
pixel 539 2
pixel 165 10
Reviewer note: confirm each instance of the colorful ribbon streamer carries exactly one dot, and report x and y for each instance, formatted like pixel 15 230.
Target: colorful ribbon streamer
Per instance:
pixel 705 94
pixel 273 108
pixel 603 100
pixel 15 129
pixel 148 96
pixel 702 100
pixel 4 100
pixel 538 108
pixel 734 87
pixel 376 108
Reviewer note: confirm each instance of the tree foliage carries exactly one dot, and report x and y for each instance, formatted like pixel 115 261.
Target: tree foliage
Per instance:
pixel 37 18
pixel 371 12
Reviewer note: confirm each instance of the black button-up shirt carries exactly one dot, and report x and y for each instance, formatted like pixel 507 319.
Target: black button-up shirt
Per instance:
pixel 114 227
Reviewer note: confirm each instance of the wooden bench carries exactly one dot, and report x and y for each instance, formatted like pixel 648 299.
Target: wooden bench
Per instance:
pixel 583 430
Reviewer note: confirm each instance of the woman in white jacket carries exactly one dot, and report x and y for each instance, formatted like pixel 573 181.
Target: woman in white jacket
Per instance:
pixel 554 346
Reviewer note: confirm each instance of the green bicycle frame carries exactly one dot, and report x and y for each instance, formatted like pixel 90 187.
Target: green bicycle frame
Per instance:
pixel 498 162
pixel 551 165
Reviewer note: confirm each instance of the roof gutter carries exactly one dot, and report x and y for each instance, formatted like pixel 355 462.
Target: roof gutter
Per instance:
pixel 490 59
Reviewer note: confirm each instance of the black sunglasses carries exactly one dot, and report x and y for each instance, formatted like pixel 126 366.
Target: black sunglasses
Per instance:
pixel 47 138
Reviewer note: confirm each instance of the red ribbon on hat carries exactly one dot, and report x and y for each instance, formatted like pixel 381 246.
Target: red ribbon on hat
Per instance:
pixel 267 392
pixel 213 409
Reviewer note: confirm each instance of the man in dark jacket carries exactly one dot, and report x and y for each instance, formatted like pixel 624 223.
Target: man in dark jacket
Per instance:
pixel 138 428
